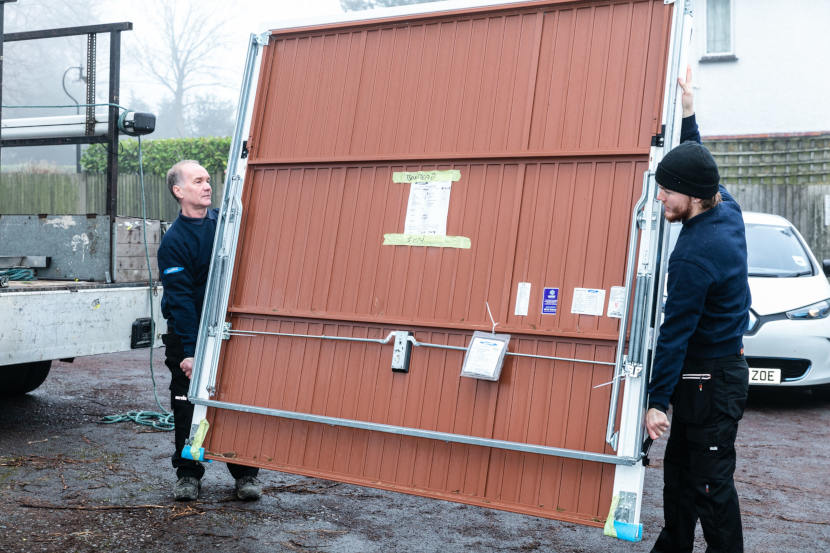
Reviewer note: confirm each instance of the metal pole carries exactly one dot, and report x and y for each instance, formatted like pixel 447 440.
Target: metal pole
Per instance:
pixel 91 57
pixel 112 145
pixel 2 10
pixel 68 31
pixel 423 433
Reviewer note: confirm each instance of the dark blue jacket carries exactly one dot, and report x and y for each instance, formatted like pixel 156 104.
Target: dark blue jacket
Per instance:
pixel 184 262
pixel 707 307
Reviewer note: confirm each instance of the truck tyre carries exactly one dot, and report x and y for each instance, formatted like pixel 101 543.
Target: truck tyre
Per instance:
pixel 20 379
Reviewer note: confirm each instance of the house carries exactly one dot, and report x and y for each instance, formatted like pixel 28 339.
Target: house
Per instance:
pixel 760 66
pixel 761 84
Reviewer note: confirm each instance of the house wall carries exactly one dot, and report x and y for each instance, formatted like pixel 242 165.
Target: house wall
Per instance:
pixel 779 81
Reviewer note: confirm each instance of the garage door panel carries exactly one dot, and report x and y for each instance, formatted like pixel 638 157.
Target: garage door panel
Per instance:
pixel 354 381
pixel 442 470
pixel 569 236
pixel 411 81
pixel 341 269
pixel 546 111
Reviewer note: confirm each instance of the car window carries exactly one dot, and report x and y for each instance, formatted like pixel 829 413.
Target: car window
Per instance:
pixel 775 251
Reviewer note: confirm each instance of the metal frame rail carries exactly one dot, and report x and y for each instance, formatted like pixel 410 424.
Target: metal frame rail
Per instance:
pixel 648 231
pixel 411 339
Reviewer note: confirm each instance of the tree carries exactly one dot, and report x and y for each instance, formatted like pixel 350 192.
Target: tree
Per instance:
pixel 205 115
pixel 357 5
pixel 183 59
pixel 210 116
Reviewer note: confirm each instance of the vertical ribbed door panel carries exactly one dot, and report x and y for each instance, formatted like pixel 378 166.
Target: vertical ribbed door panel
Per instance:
pixel 546 110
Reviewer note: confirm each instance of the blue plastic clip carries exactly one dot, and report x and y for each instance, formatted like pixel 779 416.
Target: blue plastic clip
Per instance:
pixel 186 454
pixel 628 531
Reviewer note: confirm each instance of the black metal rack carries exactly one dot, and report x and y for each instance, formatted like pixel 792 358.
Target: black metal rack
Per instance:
pixel 111 137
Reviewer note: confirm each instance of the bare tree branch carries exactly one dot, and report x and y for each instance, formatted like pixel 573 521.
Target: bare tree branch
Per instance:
pixel 192 32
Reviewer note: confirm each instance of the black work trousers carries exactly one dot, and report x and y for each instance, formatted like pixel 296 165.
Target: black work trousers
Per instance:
pixel 183 414
pixel 699 464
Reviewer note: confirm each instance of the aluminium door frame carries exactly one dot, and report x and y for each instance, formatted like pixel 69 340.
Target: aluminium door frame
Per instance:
pixel 646 245
pixel 635 365
pixel 217 291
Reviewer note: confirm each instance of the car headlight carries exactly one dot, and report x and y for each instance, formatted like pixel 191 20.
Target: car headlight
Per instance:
pixel 818 310
pixel 753 320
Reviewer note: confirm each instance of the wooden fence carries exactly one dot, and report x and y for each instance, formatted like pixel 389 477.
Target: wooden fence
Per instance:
pixel 803 205
pixel 78 194
pixel 784 175
pixel 787 176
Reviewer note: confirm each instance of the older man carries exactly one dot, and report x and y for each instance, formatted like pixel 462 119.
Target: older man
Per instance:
pixel 184 261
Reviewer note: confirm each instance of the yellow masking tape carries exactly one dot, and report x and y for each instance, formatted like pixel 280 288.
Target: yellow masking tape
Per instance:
pixel 461 242
pixel 452 175
pixel 609 529
pixel 199 438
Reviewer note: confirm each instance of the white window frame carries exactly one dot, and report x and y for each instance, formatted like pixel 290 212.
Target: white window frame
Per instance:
pixel 729 53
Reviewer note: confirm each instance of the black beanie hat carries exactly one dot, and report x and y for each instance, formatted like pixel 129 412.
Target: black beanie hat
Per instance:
pixel 689 169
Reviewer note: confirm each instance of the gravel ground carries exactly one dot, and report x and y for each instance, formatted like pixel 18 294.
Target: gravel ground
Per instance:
pixel 68 483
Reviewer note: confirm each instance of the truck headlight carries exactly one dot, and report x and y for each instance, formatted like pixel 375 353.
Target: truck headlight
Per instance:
pixel 818 310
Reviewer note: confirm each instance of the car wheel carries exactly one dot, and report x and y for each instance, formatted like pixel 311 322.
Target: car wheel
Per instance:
pixel 16 380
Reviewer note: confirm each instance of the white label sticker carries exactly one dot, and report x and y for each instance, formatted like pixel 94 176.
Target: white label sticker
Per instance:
pixel 588 301
pixel 426 212
pixel 616 302
pixel 800 261
pixel 522 299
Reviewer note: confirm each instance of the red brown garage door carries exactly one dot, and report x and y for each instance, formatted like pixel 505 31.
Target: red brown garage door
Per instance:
pixel 536 119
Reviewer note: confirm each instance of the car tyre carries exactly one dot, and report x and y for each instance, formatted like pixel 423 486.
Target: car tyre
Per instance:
pixel 16 380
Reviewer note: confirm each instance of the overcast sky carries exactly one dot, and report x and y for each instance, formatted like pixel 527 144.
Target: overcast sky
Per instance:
pixel 243 18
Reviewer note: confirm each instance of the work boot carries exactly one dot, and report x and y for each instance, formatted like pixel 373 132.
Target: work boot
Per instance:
pixel 187 488
pixel 248 488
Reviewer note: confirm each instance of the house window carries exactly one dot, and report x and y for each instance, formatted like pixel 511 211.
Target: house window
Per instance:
pixel 719 45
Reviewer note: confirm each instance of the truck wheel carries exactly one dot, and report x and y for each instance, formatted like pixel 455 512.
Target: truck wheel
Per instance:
pixel 20 379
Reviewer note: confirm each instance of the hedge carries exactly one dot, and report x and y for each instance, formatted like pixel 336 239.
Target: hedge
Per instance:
pixel 160 154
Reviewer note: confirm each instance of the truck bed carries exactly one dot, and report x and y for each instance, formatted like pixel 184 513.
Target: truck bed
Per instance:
pixel 56 319
pixel 52 285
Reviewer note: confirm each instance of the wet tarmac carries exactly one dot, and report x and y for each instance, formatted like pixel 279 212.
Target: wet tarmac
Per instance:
pixel 69 483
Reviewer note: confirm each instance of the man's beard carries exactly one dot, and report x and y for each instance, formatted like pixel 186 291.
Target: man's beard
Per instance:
pixel 679 216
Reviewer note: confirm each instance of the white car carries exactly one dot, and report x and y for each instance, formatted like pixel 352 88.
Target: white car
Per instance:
pixel 788 339
pixel 787 342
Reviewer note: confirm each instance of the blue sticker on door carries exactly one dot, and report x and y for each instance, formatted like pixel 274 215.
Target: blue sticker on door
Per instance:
pixel 550 300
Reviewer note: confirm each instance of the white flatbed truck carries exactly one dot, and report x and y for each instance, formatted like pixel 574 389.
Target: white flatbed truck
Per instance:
pixel 93 292
pixel 73 311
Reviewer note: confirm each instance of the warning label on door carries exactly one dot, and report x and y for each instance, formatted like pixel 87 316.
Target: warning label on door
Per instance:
pixel 550 301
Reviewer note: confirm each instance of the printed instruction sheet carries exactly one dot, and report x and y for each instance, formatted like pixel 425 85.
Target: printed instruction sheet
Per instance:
pixel 429 204
pixel 588 301
pixel 485 355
